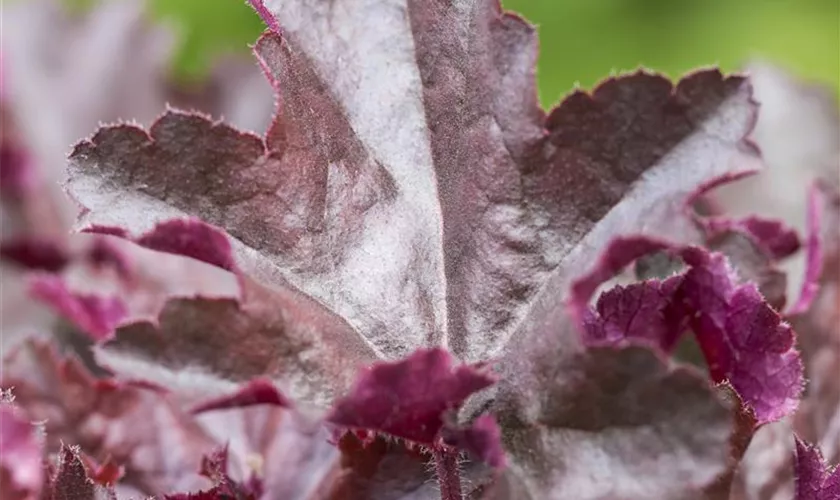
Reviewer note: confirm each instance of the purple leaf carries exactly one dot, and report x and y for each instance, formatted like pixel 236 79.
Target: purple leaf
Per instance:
pixel 138 428
pixel 482 439
pixel 815 479
pixel 640 311
pixel 187 237
pixel 753 265
pixel 273 196
pixel 17 176
pixel 576 424
pixel 66 72
pixel 255 392
pixel 380 469
pixel 95 315
pixel 409 398
pixel 44 255
pixel 773 237
pixel 743 339
pixel 798 132
pixel 21 456
pixel 410 194
pixel 71 481
pixel 276 333
pixel 814 257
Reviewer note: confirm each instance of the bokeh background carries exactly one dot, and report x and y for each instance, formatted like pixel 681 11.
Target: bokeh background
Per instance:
pixel 583 41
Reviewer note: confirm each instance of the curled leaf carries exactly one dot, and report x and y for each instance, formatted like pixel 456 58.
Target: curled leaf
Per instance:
pixel 744 341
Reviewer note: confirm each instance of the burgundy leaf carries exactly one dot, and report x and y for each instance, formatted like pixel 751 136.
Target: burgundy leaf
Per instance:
pixel 255 392
pixel 95 315
pixel 743 339
pixel 65 73
pixel 276 333
pixel 413 399
pixel 586 424
pixel 187 237
pixel 814 251
pixel 767 469
pixel 43 255
pixel 274 196
pixel 137 428
pixel 771 236
pixel 482 439
pixel 753 265
pixel 21 456
pixel 382 469
pixel 815 479
pixel 410 193
pixel 640 311
pixel 71 481
pixel 17 177
pixel 409 398
pixel 798 131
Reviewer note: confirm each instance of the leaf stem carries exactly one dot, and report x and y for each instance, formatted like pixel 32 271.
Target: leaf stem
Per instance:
pixel 449 477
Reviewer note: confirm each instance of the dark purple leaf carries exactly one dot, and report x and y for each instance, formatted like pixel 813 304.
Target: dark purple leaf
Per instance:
pixel 798 132
pixel 17 177
pixel 66 72
pixel 575 425
pixel 645 312
pixel 255 392
pixel 745 342
pixel 752 265
pixel 411 194
pixel 137 428
pixel 380 469
pixel 71 481
pixel 482 439
pixel 44 255
pixel 814 257
pixel 96 315
pixel 409 398
pixel 274 196
pixel 276 333
pixel 773 237
pixel 187 237
pixel 815 479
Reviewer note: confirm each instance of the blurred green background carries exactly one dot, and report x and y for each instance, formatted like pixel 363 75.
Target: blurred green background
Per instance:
pixel 583 41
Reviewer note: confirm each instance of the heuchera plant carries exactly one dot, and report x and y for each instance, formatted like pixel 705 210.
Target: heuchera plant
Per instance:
pixel 417 284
